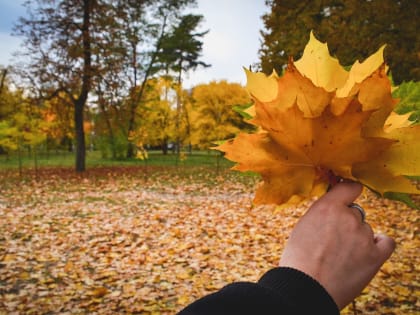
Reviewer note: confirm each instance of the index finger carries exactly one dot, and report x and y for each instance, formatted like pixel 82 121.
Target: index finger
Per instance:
pixel 343 193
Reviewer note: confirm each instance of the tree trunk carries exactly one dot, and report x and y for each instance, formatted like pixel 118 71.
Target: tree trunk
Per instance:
pixel 3 78
pixel 111 135
pixel 20 159
pixel 111 139
pixel 178 111
pixel 80 102
pixel 164 145
pixel 133 104
pixel 80 137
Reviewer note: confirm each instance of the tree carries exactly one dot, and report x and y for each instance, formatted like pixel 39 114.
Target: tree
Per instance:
pixel 165 17
pixel 59 39
pixel 212 114
pixel 6 96
pixel 140 60
pixel 181 47
pixel 157 127
pixel 9 101
pixel 354 29
pixel 112 83
pixel 3 79
pixel 21 123
pixel 96 46
pixel 58 120
pixel 180 52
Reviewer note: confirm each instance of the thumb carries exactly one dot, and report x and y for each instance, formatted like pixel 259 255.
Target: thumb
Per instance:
pixel 385 245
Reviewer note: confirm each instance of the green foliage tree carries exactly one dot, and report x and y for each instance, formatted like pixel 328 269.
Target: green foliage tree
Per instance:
pixel 408 94
pixel 181 48
pixel 354 29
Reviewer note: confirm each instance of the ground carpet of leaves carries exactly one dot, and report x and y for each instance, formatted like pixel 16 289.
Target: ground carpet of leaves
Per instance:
pixel 137 241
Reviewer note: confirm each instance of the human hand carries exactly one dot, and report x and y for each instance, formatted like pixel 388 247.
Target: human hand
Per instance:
pixel 333 245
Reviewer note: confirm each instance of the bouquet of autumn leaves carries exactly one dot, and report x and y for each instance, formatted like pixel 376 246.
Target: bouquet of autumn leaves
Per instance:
pixel 319 122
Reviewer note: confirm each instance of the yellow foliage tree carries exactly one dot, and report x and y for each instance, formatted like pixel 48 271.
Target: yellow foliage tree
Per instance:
pixel 157 114
pixel 21 125
pixel 211 115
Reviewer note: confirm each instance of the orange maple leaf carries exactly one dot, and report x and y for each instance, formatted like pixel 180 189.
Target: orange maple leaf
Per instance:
pixel 319 121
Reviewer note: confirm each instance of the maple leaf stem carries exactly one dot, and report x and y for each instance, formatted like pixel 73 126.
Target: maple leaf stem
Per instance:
pixel 333 179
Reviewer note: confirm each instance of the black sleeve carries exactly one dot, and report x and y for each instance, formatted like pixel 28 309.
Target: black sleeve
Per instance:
pixel 281 291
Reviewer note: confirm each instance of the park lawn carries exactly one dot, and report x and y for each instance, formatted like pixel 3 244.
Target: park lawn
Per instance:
pixel 95 159
pixel 147 239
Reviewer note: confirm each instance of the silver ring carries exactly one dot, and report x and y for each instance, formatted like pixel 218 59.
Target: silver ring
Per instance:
pixel 360 209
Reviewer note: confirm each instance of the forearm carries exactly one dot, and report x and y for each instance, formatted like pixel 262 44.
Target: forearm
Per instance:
pixel 280 291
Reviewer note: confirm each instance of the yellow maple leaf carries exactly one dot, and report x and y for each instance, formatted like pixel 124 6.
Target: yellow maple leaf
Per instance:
pixel 320 68
pixel 318 122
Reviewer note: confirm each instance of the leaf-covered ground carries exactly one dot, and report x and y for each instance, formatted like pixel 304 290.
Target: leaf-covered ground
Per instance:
pixel 123 241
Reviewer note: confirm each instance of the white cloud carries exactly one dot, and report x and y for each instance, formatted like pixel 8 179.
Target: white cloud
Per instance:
pixel 218 46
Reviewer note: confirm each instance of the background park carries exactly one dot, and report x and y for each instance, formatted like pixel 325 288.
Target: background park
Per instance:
pixel 112 200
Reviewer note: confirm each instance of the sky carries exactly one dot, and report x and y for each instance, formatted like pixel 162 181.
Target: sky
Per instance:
pixel 232 43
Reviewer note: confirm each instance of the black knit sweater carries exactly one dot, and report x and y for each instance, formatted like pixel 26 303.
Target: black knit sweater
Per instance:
pixel 281 291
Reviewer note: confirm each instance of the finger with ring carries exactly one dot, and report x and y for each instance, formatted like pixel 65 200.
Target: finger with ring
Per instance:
pixel 360 209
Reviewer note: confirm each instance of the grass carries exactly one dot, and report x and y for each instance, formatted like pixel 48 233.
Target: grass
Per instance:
pixel 94 159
